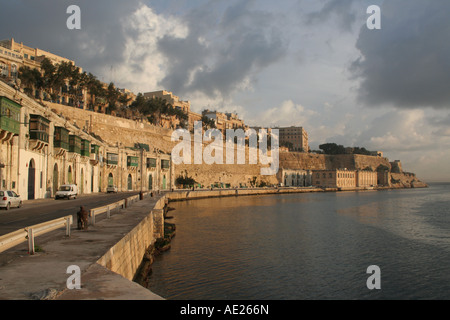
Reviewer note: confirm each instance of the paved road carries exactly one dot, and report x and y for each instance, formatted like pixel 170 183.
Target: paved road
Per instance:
pixel 38 211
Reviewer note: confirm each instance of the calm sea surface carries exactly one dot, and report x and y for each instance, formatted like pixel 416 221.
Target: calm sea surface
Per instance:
pixel 309 246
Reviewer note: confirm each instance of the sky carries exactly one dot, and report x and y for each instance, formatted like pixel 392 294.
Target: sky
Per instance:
pixel 310 63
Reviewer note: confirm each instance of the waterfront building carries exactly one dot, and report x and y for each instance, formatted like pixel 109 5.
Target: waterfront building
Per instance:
pixel 41 150
pixel 366 178
pixel 340 178
pixel 294 177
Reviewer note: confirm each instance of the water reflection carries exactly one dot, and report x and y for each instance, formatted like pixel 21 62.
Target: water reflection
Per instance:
pixel 308 246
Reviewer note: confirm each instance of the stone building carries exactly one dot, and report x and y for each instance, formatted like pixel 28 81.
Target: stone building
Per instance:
pixel 41 150
pixel 294 178
pixel 225 121
pixel 340 178
pixel 366 179
pixel 14 55
pixel 297 137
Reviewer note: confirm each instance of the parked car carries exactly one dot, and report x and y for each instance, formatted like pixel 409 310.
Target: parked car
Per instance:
pixel 67 191
pixel 9 198
pixel 111 189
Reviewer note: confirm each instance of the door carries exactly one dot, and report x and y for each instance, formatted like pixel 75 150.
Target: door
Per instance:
pixel 130 182
pixel 31 180
pixel 55 178
pixel 150 182
pixel 110 180
pixel 82 182
pixel 164 182
pixel 69 175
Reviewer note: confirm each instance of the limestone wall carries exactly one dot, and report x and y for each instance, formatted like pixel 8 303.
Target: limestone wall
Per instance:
pixel 119 131
pixel 126 256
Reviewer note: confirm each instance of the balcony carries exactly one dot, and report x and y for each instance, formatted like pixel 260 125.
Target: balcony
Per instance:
pixel 61 139
pixel 165 164
pixel 9 116
pixel 74 144
pixel 132 161
pixel 151 163
pixel 112 159
pixel 39 132
pixel 85 148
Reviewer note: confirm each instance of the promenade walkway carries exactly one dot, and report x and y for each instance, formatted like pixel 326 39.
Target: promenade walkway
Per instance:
pixel 43 275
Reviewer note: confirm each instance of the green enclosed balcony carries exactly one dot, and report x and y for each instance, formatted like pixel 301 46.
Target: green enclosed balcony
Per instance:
pixel 9 115
pixel 165 164
pixel 95 149
pixel 85 148
pixel 74 144
pixel 151 163
pixel 61 138
pixel 132 161
pixel 112 159
pixel 39 128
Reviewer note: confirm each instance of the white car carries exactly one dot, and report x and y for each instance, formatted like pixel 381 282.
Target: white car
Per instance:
pixel 111 189
pixel 67 191
pixel 9 198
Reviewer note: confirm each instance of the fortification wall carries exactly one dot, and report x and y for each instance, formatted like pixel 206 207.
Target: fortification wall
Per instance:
pixel 114 130
pixel 307 161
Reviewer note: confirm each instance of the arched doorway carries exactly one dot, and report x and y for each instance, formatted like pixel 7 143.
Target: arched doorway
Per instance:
pixel 110 180
pixel 69 175
pixel 150 182
pixel 82 182
pixel 130 182
pixel 31 179
pixel 55 178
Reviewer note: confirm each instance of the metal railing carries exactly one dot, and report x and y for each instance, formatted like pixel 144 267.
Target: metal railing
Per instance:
pixel 15 238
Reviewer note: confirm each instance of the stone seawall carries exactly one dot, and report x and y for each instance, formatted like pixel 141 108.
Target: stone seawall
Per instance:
pixel 125 256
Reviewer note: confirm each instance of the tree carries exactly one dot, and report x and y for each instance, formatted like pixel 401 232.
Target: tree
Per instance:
pixel 208 123
pixel 112 96
pixel 332 148
pixel 31 79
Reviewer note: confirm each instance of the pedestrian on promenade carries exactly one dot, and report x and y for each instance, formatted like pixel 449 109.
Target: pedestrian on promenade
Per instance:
pixel 82 216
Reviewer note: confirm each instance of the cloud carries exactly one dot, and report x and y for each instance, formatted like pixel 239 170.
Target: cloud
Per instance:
pixel 223 54
pixel 287 114
pixel 406 64
pixel 342 10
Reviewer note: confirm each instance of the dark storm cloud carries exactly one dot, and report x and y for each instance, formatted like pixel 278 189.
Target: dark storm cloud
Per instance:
pixel 407 63
pixel 244 41
pixel 99 42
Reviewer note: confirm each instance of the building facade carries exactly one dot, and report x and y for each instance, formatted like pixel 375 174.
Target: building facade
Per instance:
pixel 345 179
pixel 40 151
pixel 295 137
pixel 294 178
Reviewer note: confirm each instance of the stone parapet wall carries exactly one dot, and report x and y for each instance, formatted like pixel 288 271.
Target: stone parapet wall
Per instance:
pixel 125 257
